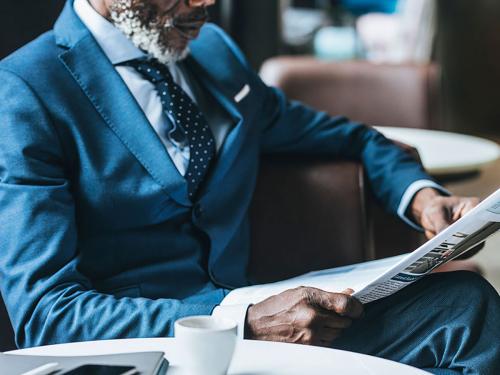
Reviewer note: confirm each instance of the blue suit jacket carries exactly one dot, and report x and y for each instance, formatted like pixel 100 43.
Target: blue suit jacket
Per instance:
pixel 98 237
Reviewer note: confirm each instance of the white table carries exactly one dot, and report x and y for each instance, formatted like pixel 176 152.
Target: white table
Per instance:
pixel 445 153
pixel 251 357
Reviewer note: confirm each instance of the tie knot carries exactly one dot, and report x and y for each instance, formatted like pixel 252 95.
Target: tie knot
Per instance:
pixel 152 70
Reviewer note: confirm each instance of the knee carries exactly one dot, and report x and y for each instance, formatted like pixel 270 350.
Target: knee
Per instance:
pixel 468 288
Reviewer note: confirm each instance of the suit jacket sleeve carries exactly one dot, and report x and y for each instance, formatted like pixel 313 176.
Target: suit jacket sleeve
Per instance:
pixel 291 127
pixel 48 299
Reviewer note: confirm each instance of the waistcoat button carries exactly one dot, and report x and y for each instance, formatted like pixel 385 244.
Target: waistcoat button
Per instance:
pixel 197 211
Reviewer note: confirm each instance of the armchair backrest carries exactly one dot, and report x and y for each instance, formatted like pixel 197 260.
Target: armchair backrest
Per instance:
pixel 387 95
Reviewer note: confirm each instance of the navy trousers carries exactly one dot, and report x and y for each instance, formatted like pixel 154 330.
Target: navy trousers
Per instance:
pixel 446 323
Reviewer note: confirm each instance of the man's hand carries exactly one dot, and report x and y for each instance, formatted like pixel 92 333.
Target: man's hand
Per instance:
pixel 303 316
pixel 435 212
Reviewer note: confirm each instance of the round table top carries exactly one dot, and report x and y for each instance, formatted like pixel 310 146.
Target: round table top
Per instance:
pixel 251 357
pixel 445 153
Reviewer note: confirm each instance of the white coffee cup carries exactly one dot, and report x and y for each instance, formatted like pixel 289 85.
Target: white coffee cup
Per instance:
pixel 207 344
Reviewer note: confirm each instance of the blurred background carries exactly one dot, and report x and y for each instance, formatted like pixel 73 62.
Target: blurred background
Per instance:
pixel 462 39
pixel 417 64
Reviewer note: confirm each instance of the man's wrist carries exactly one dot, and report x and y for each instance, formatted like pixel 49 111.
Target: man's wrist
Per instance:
pixel 421 199
pixel 247 332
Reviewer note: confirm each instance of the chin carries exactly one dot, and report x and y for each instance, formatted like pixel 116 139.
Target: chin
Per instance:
pixel 166 56
pixel 168 48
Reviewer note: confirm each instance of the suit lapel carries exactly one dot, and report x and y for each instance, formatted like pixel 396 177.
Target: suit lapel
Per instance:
pixel 118 108
pixel 113 101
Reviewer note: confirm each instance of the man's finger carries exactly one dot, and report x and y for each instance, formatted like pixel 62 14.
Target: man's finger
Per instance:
pixel 458 211
pixel 469 205
pixel 342 304
pixel 429 234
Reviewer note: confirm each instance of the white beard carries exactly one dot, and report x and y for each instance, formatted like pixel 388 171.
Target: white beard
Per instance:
pixel 144 37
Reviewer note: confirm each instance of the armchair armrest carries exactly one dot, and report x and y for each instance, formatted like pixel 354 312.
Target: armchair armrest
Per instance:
pixel 307 214
pixel 313 213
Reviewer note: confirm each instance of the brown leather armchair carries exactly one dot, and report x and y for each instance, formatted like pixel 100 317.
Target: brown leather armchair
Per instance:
pixel 313 214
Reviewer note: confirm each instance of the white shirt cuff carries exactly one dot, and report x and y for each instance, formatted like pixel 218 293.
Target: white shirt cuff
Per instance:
pixel 238 313
pixel 410 192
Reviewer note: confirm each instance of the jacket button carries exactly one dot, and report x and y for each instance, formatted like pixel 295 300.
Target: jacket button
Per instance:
pixel 197 211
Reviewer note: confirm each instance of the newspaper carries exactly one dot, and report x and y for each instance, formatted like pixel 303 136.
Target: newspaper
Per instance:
pixel 381 278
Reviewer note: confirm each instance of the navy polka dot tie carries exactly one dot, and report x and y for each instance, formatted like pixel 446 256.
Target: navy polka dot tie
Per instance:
pixel 181 109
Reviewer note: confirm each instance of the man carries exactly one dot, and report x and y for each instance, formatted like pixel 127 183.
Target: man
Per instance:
pixel 129 152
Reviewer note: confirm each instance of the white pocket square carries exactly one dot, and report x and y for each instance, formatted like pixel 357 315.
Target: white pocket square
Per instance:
pixel 242 94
